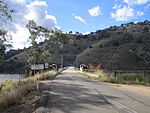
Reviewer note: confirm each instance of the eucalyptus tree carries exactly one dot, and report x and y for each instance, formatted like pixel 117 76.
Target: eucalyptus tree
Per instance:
pixel 40 53
pixel 5 15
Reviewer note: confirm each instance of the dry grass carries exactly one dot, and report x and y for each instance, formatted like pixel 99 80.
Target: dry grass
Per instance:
pixel 122 78
pixel 15 95
pixel 14 92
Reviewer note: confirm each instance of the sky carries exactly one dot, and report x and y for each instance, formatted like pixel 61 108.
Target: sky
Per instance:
pixel 84 16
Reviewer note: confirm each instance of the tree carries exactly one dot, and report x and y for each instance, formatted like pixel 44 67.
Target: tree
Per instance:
pixel 5 12
pixel 146 29
pixel 34 55
pixel 146 22
pixel 39 54
pixel 4 42
pixel 70 32
pixel 5 15
pixel 77 33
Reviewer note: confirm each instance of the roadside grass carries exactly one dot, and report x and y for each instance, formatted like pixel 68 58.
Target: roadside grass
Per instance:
pixel 120 78
pixel 14 92
pixel 49 75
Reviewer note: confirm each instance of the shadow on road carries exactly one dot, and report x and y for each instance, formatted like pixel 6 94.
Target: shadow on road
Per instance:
pixel 70 97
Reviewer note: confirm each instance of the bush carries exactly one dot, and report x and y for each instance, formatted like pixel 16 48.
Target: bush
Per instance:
pixel 115 43
pixel 146 30
pixel 79 48
pixel 7 85
pixel 100 46
pixel 90 46
pixel 74 45
pixel 15 58
pixel 139 40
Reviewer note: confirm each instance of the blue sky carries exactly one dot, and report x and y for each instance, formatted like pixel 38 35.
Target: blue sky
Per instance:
pixel 66 10
pixel 73 15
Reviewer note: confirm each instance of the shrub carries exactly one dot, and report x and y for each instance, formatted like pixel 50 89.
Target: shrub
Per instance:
pixel 74 45
pixel 15 58
pixel 100 46
pixel 7 85
pixel 146 29
pixel 139 40
pixel 90 46
pixel 94 68
pixel 115 43
pixel 79 48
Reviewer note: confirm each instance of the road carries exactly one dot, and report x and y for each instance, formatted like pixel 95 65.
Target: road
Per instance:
pixel 71 93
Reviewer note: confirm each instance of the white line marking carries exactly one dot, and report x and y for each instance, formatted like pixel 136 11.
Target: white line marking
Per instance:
pixel 111 101
pixel 71 77
pixel 119 105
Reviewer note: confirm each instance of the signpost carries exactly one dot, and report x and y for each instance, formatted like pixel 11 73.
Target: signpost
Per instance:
pixel 37 67
pixel 46 65
pixel 37 83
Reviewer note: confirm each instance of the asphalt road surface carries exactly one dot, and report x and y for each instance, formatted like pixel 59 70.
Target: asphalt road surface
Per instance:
pixel 71 93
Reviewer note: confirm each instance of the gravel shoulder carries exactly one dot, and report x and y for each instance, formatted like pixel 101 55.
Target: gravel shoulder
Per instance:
pixel 143 90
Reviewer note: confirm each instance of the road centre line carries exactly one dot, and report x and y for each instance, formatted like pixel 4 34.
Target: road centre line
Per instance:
pixel 111 101
pixel 117 104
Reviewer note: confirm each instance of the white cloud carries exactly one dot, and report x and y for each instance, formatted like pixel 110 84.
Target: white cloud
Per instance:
pixel 138 2
pixel 147 6
pixel 20 37
pixel 73 14
pixel 31 15
pixel 51 17
pixel 80 19
pixel 96 11
pixel 140 13
pixel 37 3
pixel 86 33
pixel 116 6
pixel 125 13
pixel 37 11
pixel 19 1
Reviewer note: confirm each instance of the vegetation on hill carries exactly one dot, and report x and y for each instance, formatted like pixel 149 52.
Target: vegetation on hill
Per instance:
pixel 117 47
pixel 120 47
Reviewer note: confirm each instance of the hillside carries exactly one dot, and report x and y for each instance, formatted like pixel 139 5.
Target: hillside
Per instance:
pixel 118 47
pixel 123 47
pixel 69 51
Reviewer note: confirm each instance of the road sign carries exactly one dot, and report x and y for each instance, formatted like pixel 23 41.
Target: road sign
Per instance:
pixel 46 65
pixel 37 67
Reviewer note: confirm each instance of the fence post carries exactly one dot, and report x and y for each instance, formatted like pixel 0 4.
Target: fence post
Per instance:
pixel 19 79
pixel 37 83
